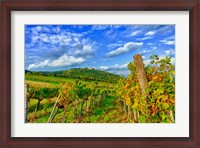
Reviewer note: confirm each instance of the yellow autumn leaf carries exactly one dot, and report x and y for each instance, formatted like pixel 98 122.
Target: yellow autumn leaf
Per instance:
pixel 128 101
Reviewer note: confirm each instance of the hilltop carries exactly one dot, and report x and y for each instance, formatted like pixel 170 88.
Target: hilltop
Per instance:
pixel 86 74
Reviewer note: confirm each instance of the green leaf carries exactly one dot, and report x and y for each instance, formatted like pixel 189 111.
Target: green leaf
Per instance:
pixel 165 106
pixel 142 119
pixel 163 116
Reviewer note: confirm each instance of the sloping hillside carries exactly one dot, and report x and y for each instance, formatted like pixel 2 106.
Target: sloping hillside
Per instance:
pixel 85 74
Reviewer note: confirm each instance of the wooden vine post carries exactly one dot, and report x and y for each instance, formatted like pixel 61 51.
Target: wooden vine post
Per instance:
pixel 26 103
pixel 141 77
pixel 49 120
pixel 141 73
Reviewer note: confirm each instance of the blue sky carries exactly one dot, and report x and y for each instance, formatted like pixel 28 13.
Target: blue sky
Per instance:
pixel 104 47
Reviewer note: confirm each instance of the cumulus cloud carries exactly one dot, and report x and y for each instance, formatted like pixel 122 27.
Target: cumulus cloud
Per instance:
pixel 85 51
pixel 64 60
pixel 116 69
pixel 38 65
pixel 124 49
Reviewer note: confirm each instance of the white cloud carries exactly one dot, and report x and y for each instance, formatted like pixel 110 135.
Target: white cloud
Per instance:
pixel 35 39
pixel 114 45
pixel 121 72
pixel 117 66
pixel 38 28
pixel 116 26
pixel 104 67
pixel 151 44
pixel 150 33
pixel 135 33
pixel 145 38
pixel 126 48
pixel 144 51
pixel 52 39
pixel 100 27
pixel 169 40
pixel 167 51
pixel 86 50
pixel 55 39
pixel 64 60
pixel 55 36
pixel 143 57
pixel 46 29
pixel 44 38
pixel 170 37
pixel 162 57
pixel 77 40
pixel 57 29
pixel 116 69
pixel 146 62
pixel 154 47
pixel 173 60
pixel 38 65
pixel 66 40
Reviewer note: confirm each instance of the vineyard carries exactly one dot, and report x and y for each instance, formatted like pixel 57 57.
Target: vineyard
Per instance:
pixel 147 95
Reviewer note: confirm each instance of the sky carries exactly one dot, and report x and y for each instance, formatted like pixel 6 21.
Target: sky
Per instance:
pixel 104 47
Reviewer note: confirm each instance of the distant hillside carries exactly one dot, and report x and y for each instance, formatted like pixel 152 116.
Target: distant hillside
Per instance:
pixel 27 71
pixel 85 74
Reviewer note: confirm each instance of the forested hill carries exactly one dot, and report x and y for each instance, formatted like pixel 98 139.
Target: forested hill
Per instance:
pixel 86 74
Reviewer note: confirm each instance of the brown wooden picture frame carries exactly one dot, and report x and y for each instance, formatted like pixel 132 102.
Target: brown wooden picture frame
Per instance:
pixel 7 6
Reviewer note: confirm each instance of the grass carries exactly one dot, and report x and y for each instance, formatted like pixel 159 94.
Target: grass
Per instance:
pixel 49 79
pixel 52 81
pixel 42 84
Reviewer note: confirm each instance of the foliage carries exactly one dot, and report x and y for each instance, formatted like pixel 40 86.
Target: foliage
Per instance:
pixel 158 104
pixel 37 92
